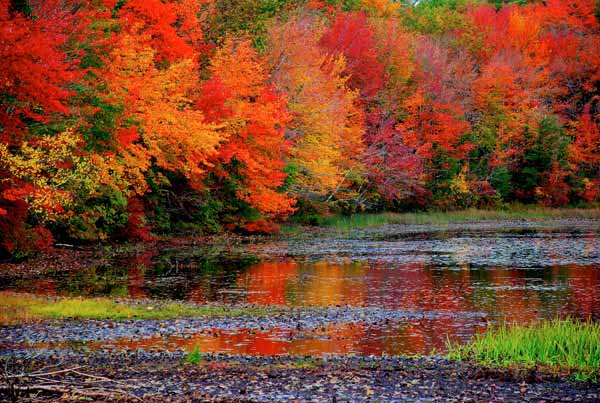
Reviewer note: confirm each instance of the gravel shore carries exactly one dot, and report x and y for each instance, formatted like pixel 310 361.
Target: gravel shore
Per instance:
pixel 221 378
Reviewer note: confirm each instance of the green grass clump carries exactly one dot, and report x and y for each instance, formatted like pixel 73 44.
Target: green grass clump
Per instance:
pixel 18 308
pixel 462 216
pixel 558 345
pixel 195 356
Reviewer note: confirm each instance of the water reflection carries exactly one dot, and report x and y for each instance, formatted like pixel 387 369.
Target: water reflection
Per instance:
pixel 465 283
pixel 407 338
pixel 502 293
pixel 513 294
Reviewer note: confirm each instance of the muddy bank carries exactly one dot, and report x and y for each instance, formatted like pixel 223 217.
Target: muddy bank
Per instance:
pixel 165 377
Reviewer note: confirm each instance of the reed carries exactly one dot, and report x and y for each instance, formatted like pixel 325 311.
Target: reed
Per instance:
pixel 516 212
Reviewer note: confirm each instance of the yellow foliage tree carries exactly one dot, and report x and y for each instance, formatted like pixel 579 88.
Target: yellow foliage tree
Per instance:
pixel 57 173
pixel 327 125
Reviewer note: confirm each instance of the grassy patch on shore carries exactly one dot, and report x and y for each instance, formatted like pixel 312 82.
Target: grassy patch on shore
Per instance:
pixel 19 308
pixel 463 216
pixel 558 345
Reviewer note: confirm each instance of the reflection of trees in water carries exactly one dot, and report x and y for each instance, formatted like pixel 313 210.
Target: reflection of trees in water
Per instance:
pixel 513 294
pixel 324 284
pixel 290 283
pixel 584 296
pixel 137 267
pixel 146 274
pixel 502 293
pixel 95 281
pixel 195 277
pixel 408 337
pixel 423 288
pixel 450 294
pixel 267 282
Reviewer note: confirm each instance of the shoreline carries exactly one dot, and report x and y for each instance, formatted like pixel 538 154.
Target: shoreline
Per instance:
pixel 220 378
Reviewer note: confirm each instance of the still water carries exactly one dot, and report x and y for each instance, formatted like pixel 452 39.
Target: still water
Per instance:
pixel 454 284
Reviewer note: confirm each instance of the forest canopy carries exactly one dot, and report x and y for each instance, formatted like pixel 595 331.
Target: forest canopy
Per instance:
pixel 123 119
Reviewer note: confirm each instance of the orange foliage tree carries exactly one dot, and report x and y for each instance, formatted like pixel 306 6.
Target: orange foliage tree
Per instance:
pixel 170 130
pixel 253 118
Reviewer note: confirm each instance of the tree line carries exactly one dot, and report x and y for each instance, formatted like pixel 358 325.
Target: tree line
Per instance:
pixel 129 118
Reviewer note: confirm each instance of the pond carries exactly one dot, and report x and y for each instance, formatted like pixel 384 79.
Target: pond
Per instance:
pixel 408 289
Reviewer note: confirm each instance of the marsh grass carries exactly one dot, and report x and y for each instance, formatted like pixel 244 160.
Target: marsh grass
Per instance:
pixel 18 308
pixel 557 345
pixel 471 215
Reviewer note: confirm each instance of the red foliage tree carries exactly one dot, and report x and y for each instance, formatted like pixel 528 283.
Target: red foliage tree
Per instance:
pixel 585 153
pixel 172 27
pixel 352 36
pixel 394 167
pixel 16 236
pixel 35 70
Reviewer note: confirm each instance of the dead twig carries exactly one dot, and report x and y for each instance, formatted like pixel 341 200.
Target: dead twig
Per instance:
pixel 102 378
pixel 43 374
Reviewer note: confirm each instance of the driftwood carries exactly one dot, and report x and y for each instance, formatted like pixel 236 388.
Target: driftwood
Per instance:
pixel 70 381
pixel 103 393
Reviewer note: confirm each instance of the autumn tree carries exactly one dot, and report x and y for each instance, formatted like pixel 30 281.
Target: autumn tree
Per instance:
pixel 352 36
pixel 327 125
pixel 173 132
pixel 246 17
pixel 36 70
pixel 35 75
pixel 162 143
pixel 253 118
pixel 516 99
pixel 585 153
pixel 394 169
pixel 171 27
